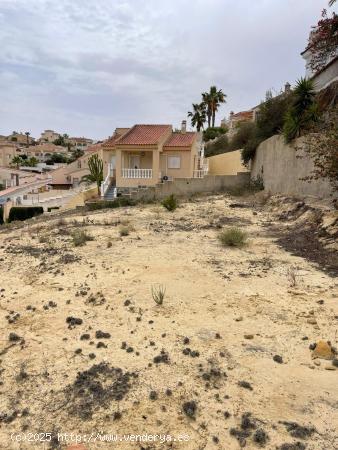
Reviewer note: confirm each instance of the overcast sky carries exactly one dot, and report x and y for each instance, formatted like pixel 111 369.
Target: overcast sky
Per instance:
pixel 85 67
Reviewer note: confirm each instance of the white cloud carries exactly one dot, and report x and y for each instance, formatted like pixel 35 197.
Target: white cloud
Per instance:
pixel 86 66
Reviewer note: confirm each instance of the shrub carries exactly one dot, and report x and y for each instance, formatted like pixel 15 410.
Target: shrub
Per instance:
pixel 80 238
pixel 170 203
pixel 303 111
pixel 219 146
pixel 24 212
pixel 245 132
pixel 117 203
pixel 126 229
pixel 158 293
pixel 213 132
pixel 233 237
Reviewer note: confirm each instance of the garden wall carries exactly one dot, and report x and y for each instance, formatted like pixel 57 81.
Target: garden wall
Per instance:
pixel 183 187
pixel 282 166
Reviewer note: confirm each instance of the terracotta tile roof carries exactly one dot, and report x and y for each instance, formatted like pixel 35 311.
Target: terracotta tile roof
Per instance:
pixel 180 139
pixel 243 115
pixel 144 135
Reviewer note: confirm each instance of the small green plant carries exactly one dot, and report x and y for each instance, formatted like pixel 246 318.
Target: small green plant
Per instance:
pixel 80 238
pixel 233 237
pixel 170 203
pixel 158 293
pixel 125 230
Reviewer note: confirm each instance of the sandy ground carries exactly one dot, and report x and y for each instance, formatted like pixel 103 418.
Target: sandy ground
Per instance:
pixel 234 308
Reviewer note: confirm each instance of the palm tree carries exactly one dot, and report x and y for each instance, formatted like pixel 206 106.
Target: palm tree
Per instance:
pixel 27 135
pixel 198 115
pixel 212 100
pixel 95 165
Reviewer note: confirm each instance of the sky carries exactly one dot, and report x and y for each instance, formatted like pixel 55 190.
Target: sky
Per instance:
pixel 85 67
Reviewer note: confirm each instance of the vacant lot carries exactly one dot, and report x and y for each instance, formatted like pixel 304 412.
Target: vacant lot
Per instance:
pixel 225 359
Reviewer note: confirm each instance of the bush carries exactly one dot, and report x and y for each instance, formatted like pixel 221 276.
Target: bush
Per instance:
pixel 170 203
pixel 24 212
pixel 80 238
pixel 303 112
pixel 117 203
pixel 158 293
pixel 217 147
pixel 245 132
pixel 233 237
pixel 213 132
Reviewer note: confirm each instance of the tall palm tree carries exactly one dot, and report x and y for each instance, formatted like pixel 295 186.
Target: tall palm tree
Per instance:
pixel 27 136
pixel 212 100
pixel 95 166
pixel 198 115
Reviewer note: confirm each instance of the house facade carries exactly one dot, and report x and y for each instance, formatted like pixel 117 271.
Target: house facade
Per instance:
pixel 145 155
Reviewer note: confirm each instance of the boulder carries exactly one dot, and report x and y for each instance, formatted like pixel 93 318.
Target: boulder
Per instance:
pixel 323 350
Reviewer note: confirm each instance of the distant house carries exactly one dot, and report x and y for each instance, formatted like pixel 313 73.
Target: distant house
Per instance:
pixel 49 136
pixel 79 143
pixel 20 138
pixel 145 155
pixel 326 75
pixel 235 119
pixel 44 151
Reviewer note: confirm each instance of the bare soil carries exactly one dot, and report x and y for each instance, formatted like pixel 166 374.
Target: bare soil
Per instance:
pixel 225 359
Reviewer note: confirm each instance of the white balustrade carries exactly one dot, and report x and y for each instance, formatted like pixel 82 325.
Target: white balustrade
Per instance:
pixel 137 173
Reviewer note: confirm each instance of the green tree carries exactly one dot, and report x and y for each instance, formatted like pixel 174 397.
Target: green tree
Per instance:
pixel 213 133
pixel 213 100
pixel 198 115
pixel 303 111
pixel 95 165
pixel 17 161
pixel 31 162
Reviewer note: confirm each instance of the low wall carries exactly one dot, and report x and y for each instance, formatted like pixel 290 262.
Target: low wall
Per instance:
pixel 229 163
pixel 281 167
pixel 183 187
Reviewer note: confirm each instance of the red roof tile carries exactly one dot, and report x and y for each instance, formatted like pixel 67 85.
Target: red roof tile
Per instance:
pixel 144 135
pixel 180 139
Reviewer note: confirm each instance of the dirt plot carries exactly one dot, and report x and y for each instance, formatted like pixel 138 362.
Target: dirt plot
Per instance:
pixel 226 358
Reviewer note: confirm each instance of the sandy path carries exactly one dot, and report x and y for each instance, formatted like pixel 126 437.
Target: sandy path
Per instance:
pixel 214 297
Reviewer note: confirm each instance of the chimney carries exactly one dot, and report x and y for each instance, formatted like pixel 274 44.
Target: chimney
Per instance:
pixel 287 88
pixel 184 126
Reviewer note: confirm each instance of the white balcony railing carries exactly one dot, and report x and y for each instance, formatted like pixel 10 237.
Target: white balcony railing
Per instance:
pixel 137 173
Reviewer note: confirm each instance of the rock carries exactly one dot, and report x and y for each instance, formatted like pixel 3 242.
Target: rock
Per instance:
pixel 248 336
pixel 278 359
pixel 312 321
pixel 239 319
pixel 316 363
pixel 323 350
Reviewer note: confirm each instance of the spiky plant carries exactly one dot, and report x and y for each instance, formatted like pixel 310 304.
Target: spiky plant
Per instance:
pixel 95 166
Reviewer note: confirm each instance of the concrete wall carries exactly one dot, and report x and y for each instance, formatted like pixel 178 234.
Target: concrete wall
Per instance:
pixel 183 187
pixel 281 166
pixel 226 164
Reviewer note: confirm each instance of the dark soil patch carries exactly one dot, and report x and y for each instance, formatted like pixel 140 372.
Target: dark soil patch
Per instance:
pixel 96 388
pixel 305 242
pixel 189 409
pixel 293 446
pixel 298 431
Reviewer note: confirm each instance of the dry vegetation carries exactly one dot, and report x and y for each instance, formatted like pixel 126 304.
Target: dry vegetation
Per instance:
pixel 138 320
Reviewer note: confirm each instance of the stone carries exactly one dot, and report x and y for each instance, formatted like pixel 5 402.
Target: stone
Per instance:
pixel 312 321
pixel 323 350
pixel 248 336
